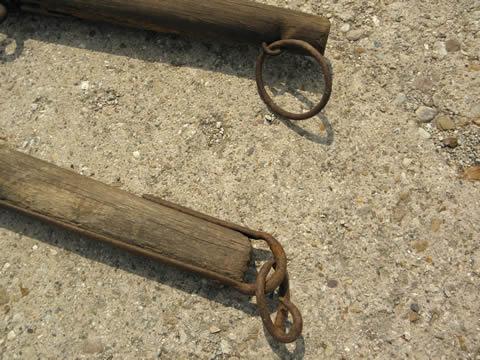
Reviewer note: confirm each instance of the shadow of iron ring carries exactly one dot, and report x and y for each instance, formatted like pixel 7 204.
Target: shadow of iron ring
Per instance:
pixel 327 139
pixel 319 139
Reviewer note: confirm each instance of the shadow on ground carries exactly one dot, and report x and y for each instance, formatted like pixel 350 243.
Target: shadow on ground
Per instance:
pixel 286 74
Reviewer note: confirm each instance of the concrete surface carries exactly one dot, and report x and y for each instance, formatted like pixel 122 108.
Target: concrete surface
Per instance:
pixel 381 232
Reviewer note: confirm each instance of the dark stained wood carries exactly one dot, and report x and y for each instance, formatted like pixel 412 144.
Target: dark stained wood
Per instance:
pixel 92 208
pixel 240 20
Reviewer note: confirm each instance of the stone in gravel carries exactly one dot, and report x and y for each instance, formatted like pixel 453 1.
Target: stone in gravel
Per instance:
pixel 332 283
pixel 413 316
pixel 11 335
pixel 93 345
pixel 345 28
pixel 473 67
pixel 136 154
pixel 453 45
pixel 461 342
pixel 472 173
pixel 4 298
pixel 85 85
pixel 415 307
pixel 225 346
pixel 214 329
pixel 451 142
pixel 435 224
pixel 424 133
pixel 420 245
pixel 425 113
pixel 423 83
pixel 354 35
pixel 444 123
pixel 268 119
pixel 24 291
pixel 400 99
pixel 359 51
pixel 439 49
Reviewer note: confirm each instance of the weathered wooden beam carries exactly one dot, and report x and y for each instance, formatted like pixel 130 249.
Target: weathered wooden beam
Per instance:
pixel 109 214
pixel 239 20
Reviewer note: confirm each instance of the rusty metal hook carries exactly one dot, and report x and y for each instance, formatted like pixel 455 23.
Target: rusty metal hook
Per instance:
pixel 274 49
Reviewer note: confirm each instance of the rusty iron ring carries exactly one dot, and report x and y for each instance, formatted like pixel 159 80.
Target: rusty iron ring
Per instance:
pixel 273 50
pixel 277 329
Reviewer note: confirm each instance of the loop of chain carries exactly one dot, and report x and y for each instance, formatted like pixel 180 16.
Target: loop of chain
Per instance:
pixel 278 329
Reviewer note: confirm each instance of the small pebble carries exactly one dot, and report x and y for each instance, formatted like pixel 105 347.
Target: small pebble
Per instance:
pixel 136 154
pixel 425 113
pixel 424 133
pixel 359 51
pixel 444 123
pixel 85 85
pixel 400 99
pixel 268 119
pixel 451 142
pixel 423 83
pixel 354 35
pixel 345 28
pixel 407 162
pixel 11 335
pixel 214 329
pixel 332 283
pixel 472 173
pixel 439 49
pixel 420 246
pixel 415 307
pixel 413 316
pixel 453 45
pixel 225 346
pixel 436 224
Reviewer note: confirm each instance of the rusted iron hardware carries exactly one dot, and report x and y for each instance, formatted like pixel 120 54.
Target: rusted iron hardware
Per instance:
pixel 264 284
pixel 150 227
pixel 233 20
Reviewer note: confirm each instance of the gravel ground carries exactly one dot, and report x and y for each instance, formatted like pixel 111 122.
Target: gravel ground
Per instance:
pixel 381 231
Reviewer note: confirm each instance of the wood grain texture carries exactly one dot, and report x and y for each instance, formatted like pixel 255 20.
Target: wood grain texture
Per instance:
pixel 240 20
pixel 49 192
